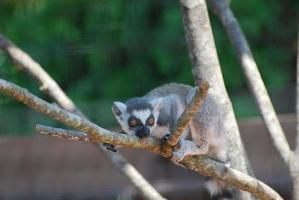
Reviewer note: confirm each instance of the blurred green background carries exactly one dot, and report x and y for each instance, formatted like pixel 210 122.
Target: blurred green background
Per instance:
pixel 105 50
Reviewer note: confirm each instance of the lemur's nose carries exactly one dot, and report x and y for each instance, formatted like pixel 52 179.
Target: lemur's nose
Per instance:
pixel 142 132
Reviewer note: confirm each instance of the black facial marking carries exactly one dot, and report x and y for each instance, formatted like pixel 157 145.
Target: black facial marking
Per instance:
pixel 134 121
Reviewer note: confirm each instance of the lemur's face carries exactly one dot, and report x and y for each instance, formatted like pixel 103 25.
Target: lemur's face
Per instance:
pixel 138 116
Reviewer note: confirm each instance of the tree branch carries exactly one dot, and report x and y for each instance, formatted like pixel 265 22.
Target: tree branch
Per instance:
pixel 24 62
pixel 239 42
pixel 51 88
pixel 188 114
pixel 62 133
pixel 202 165
pixel 205 66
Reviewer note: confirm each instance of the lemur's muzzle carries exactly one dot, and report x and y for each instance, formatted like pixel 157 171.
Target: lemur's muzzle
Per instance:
pixel 142 131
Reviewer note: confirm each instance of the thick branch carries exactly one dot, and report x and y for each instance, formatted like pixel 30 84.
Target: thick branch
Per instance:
pixel 188 114
pixel 51 88
pixel 237 38
pixel 205 66
pixel 202 165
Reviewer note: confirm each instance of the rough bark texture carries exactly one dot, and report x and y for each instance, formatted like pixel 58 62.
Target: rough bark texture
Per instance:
pixel 205 66
pixel 188 114
pixel 51 88
pixel 202 165
pixel 237 38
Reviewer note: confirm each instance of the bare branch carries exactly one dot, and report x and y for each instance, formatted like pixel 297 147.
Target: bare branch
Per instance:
pixel 205 66
pixel 237 38
pixel 188 114
pixel 123 165
pixel 50 87
pixel 202 165
pixel 47 84
pixel 62 133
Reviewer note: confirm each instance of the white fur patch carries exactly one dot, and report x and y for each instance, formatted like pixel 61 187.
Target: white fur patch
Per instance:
pixel 213 187
pixel 142 114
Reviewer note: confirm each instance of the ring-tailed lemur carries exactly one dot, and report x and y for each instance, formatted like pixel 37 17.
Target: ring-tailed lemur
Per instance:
pixel 156 113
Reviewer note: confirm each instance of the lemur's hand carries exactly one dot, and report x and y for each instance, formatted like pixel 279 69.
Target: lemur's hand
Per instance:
pixel 186 148
pixel 165 137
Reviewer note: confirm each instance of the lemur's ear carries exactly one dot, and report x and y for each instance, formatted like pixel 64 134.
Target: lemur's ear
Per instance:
pixel 118 108
pixel 156 103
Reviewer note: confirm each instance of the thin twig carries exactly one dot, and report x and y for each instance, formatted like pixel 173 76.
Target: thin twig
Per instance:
pixel 238 40
pixel 50 87
pixel 62 133
pixel 188 114
pixel 202 165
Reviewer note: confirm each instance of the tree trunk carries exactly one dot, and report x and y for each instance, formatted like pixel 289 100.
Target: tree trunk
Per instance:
pixel 205 63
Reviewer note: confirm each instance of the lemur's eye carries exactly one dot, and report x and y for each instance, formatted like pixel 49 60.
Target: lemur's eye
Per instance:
pixel 150 121
pixel 133 122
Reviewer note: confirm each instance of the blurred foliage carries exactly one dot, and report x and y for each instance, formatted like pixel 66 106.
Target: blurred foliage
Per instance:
pixel 102 50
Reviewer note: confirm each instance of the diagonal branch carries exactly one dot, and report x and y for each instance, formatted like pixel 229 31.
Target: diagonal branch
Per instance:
pixel 201 165
pixel 238 40
pixel 24 62
pixel 51 88
pixel 189 113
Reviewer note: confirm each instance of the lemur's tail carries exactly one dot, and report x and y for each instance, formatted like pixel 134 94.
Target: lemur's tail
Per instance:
pixel 219 190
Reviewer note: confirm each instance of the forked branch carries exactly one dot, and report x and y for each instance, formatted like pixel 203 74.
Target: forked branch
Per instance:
pixel 202 165
pixel 51 88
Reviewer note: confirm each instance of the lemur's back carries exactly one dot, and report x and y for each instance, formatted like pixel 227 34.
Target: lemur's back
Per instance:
pixel 181 90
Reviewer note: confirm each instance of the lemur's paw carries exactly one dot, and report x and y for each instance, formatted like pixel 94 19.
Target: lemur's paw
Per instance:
pixel 110 147
pixel 186 148
pixel 165 137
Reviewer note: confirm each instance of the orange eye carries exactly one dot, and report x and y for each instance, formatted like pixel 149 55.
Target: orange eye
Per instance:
pixel 150 121
pixel 133 122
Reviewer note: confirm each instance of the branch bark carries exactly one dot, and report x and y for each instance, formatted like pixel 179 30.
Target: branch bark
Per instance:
pixel 205 66
pixel 48 85
pixel 189 112
pixel 239 42
pixel 202 165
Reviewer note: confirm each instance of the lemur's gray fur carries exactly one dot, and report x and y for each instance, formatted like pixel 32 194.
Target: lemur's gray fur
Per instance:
pixel 165 104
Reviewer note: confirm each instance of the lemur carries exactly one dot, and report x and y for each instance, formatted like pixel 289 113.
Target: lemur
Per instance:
pixel 156 113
